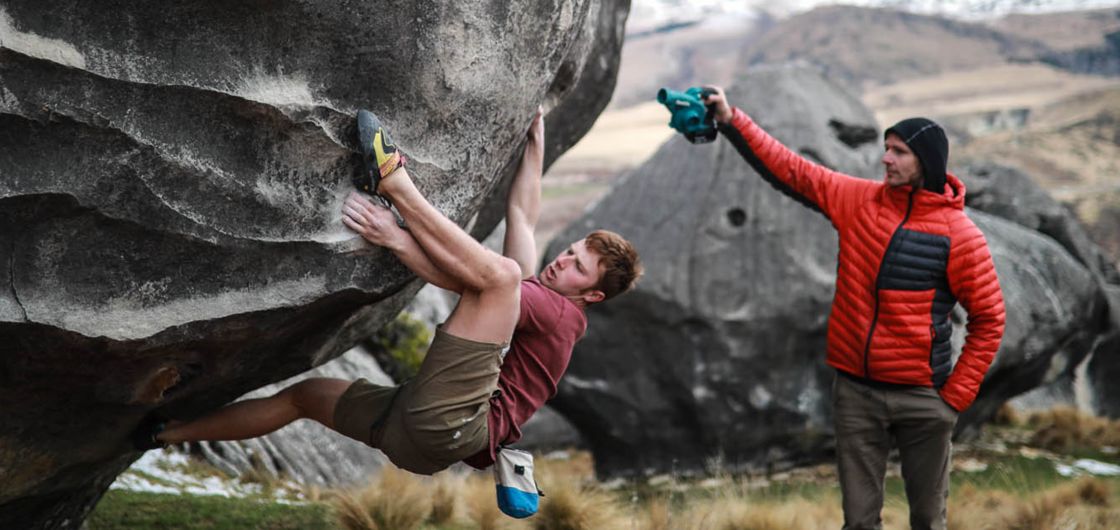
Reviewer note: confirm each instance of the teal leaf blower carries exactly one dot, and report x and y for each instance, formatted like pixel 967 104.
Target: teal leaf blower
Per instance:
pixel 690 116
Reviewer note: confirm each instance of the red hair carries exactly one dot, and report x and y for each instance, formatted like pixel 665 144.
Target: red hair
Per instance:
pixel 619 260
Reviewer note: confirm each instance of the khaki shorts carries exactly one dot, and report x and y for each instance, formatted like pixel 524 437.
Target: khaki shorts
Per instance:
pixel 435 419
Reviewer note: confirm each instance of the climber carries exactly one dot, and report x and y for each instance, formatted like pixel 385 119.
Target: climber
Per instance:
pixel 495 360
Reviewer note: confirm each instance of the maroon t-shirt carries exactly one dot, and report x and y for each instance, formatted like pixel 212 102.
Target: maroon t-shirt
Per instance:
pixel 538 356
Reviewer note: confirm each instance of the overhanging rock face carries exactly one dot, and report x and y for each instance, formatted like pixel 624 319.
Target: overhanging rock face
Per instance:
pixel 171 177
pixel 718 356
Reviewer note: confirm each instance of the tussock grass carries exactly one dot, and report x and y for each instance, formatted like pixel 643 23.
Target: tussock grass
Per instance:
pixel 1080 504
pixel 1007 416
pixel 445 498
pixel 1066 430
pixel 657 515
pixel 397 501
pixel 574 506
pixel 742 511
pixel 573 499
pixel 739 515
pixel 482 508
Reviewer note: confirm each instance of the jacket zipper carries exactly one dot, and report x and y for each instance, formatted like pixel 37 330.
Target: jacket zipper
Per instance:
pixel 875 316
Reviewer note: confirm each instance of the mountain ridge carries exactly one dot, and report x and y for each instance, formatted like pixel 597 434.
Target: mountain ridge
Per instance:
pixel 647 15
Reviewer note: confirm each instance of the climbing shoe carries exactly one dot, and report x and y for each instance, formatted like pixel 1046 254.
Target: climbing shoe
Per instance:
pixel 144 437
pixel 380 156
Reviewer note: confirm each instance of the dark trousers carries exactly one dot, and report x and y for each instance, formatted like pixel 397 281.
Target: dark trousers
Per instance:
pixel 867 420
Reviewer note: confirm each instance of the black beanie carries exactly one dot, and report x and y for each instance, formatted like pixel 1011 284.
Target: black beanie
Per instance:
pixel 928 142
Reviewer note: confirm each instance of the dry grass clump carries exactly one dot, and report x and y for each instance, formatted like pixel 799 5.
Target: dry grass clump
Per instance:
pixel 482 508
pixel 1055 508
pixel 657 516
pixel 1093 492
pixel 573 501
pixel 445 497
pixel 742 515
pixel 1007 416
pixel 1063 429
pixel 397 501
pixel 971 508
pixel 733 508
pixel 1081 504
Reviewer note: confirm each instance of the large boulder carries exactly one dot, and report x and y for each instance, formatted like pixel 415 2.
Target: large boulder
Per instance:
pixel 718 355
pixel 1013 195
pixel 1056 312
pixel 170 185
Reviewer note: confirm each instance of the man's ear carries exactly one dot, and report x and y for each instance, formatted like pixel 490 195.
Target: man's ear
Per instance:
pixel 594 296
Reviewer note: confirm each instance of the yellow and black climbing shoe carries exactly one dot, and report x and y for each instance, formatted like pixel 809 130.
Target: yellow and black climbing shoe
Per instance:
pixel 380 156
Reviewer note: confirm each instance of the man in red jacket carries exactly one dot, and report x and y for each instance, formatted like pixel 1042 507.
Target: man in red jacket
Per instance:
pixel 908 254
pixel 494 362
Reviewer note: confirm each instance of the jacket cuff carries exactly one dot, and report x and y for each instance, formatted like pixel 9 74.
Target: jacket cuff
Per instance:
pixel 739 119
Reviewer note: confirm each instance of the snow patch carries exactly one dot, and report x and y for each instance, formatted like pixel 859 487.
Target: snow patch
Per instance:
pixel 168 472
pixel 1086 465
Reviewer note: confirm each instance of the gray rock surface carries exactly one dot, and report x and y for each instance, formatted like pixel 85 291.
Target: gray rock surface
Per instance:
pixel 717 358
pixel 590 70
pixel 170 183
pixel 1056 311
pixel 1013 195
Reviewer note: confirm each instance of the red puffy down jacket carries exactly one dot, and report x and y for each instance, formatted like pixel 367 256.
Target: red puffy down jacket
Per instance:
pixel 906 258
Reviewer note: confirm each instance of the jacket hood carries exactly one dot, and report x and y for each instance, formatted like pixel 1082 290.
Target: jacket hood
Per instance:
pixel 952 194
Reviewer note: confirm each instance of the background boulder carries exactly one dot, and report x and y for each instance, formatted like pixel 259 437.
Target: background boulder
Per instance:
pixel 1011 194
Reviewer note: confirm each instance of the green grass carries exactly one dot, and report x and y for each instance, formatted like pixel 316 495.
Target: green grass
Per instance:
pixel 130 510
pixel 1013 474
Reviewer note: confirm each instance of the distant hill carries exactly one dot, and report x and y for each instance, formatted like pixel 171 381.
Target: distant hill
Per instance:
pixel 1063 32
pixel 862 47
pixel 649 14
pixel 1099 60
pixel 1072 147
